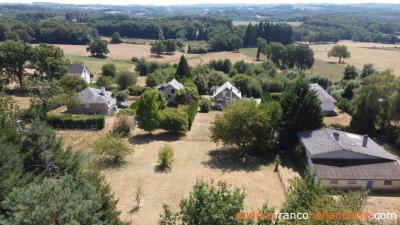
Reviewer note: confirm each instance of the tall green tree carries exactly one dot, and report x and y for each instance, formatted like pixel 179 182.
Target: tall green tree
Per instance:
pixel 244 124
pixel 98 48
pixel 304 56
pixel 368 69
pixel 49 61
pixel 377 103
pixel 183 71
pixel 301 110
pixel 158 47
pixel 148 113
pixel 109 70
pixel 339 51
pixel 350 73
pixel 115 38
pixel 13 57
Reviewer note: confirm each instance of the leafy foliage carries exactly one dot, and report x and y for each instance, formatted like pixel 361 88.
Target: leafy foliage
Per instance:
pixel 111 147
pixel 174 120
pixel 183 71
pixel 149 109
pixel 339 51
pixel 166 157
pixel 98 48
pixel 125 79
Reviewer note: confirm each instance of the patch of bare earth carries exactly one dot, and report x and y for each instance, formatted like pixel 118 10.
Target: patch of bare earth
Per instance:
pixel 196 157
pixel 342 118
pixel 23 102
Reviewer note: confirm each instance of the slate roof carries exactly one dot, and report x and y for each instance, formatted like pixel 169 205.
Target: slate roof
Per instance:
pixel 361 170
pixel 75 68
pixel 230 87
pixel 323 95
pixel 174 83
pixel 321 141
pixel 93 95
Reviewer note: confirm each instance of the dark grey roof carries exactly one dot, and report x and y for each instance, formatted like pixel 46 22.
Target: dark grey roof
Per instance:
pixel 323 95
pixel 321 141
pixel 75 68
pixel 361 170
pixel 93 95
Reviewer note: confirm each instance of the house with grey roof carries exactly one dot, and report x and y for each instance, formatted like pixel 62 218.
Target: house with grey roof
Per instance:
pixel 346 160
pixel 94 101
pixel 327 101
pixel 80 71
pixel 225 94
pixel 169 89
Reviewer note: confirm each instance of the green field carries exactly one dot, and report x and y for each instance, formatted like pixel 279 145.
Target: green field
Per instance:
pixel 95 64
pixel 332 71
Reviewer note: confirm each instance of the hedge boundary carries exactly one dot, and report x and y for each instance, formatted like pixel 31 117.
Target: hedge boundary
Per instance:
pixel 192 111
pixel 71 121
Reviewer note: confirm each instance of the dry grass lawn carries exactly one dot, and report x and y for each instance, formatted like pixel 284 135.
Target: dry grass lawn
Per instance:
pixel 23 102
pixel 341 118
pixel 383 56
pixel 195 158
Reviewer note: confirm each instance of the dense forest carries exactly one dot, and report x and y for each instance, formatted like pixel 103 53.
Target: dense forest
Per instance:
pixel 73 24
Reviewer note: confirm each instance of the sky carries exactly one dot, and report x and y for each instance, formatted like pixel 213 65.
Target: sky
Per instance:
pixel 186 2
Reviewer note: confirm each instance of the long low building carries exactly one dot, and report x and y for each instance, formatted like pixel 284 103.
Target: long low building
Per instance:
pixel 347 161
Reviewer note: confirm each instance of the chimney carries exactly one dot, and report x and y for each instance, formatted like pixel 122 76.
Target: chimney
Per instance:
pixel 103 91
pixel 365 140
pixel 336 135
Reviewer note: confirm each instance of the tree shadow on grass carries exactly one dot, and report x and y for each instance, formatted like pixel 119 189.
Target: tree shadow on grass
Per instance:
pixel 108 164
pixel 234 160
pixel 147 138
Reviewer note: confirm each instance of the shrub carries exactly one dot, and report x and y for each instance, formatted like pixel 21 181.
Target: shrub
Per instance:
pixel 115 38
pixel 174 120
pixel 109 70
pixel 127 112
pixel 122 125
pixel 72 84
pixel 103 81
pixel 135 59
pixel 192 111
pixel 197 50
pixel 186 95
pixel 122 95
pixel 166 157
pixel 204 106
pixel 111 147
pixel 136 90
pixel 126 79
pixel 73 121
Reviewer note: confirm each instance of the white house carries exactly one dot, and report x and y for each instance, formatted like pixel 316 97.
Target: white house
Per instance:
pixel 226 93
pixel 169 89
pixel 79 70
pixel 350 161
pixel 327 101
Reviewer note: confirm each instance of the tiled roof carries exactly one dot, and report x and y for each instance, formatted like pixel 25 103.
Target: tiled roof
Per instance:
pixel 321 141
pixel 322 95
pixel 229 86
pixel 361 170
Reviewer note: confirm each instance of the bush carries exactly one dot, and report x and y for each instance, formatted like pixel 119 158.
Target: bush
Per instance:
pixel 299 154
pixel 115 38
pixel 174 120
pixel 122 95
pixel 204 106
pixel 103 81
pixel 186 95
pixel 127 112
pixel 72 84
pixel 109 70
pixel 192 111
pixel 126 79
pixel 111 147
pixel 122 126
pixel 73 121
pixel 197 50
pixel 136 90
pixel 166 157
pixel 135 59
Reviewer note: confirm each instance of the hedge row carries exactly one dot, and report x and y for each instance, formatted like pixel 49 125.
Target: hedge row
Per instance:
pixel 192 111
pixel 93 122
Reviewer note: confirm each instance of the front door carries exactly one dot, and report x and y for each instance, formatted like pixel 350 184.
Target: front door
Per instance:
pixel 369 184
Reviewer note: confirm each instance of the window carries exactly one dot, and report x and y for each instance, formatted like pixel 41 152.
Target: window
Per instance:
pixel 387 182
pixel 333 182
pixel 351 182
pixel 173 91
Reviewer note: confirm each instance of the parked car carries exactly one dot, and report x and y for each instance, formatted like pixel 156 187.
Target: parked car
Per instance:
pixel 122 105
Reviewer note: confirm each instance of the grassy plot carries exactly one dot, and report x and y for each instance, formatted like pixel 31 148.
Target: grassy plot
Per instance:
pixel 95 64
pixel 330 70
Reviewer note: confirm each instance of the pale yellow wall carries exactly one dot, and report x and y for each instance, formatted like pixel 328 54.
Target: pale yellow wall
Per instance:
pixel 377 184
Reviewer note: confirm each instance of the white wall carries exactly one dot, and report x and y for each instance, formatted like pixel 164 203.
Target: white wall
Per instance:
pixel 327 106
